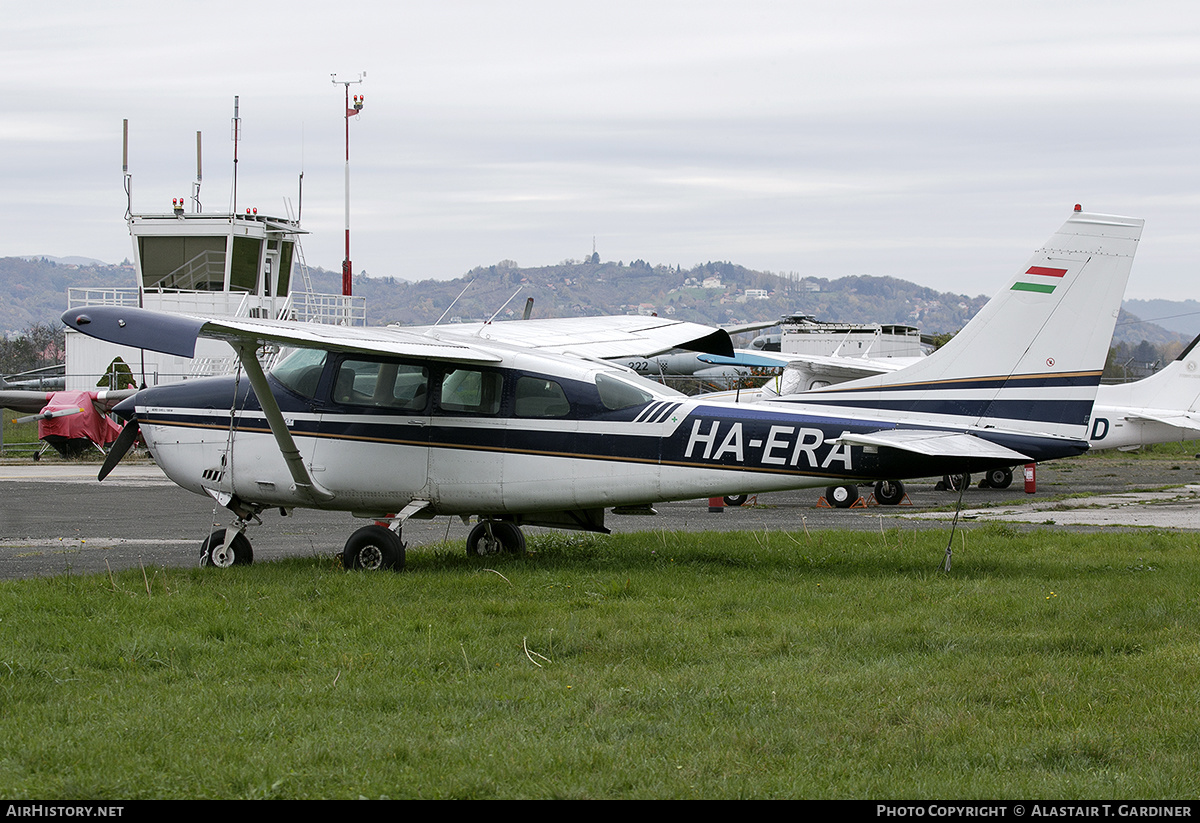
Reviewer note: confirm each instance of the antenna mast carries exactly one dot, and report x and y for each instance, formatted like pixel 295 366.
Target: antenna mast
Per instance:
pixel 235 125
pixel 125 169
pixel 347 268
pixel 199 176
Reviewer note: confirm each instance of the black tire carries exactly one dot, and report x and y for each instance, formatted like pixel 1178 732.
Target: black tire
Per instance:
pixel 504 537
pixel 736 499
pixel 999 478
pixel 373 548
pixel 956 482
pixel 842 497
pixel 243 555
pixel 889 492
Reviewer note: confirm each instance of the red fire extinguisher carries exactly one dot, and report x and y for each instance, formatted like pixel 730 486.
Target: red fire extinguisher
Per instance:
pixel 1030 478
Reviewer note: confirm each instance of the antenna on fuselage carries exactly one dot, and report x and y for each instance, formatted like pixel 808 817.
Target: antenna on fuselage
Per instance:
pixel 452 302
pixel 506 302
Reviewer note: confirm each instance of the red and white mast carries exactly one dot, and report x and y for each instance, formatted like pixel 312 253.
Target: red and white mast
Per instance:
pixel 351 110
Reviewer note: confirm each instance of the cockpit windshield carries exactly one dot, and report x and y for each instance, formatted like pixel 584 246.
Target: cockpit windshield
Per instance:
pixel 626 391
pixel 301 371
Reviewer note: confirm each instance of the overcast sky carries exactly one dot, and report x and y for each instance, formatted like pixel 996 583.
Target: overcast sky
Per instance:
pixel 939 142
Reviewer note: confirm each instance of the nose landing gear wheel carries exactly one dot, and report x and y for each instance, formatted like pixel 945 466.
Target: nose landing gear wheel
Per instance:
pixel 214 553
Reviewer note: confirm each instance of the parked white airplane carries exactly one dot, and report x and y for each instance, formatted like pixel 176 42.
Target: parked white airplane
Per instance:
pixel 518 424
pixel 1161 408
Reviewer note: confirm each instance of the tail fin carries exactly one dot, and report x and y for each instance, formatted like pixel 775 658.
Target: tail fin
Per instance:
pixel 1175 388
pixel 1031 360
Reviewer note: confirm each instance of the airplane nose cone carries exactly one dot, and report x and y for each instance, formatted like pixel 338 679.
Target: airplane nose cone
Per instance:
pixel 126 407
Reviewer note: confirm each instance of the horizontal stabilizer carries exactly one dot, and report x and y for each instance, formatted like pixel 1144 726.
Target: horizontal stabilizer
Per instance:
pixel 749 360
pixel 1181 420
pixel 935 444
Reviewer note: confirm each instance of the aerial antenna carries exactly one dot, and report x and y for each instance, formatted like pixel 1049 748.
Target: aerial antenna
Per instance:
pixel 235 126
pixel 452 302
pixel 199 176
pixel 528 309
pixel 506 302
pixel 125 170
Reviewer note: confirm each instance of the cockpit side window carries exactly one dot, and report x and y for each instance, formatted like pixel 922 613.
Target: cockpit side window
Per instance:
pixel 471 391
pixel 301 371
pixel 381 384
pixel 539 397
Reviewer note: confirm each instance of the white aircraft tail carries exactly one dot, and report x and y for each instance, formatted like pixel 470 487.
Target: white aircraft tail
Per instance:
pixel 1031 360
pixel 1176 387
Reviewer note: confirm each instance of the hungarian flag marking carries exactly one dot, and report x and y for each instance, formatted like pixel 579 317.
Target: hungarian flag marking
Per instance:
pixel 1042 279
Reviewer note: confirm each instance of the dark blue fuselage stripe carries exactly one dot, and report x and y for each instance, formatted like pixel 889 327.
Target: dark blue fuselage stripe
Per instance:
pixel 993 383
pixel 1070 412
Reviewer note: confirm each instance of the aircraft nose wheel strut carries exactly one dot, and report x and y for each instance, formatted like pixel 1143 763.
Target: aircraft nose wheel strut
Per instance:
pixel 227 547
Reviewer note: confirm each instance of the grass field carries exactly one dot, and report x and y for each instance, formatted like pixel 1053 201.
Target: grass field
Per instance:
pixel 658 665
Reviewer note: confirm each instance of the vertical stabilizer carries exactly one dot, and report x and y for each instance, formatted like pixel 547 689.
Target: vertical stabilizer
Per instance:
pixel 1031 360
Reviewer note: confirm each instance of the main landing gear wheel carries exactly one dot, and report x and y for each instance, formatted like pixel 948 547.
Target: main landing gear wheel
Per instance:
pixel 494 537
pixel 998 479
pixel 373 547
pixel 214 553
pixel 736 499
pixel 956 482
pixel 889 492
pixel 842 497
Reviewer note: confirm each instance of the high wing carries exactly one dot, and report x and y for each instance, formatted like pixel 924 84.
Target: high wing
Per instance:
pixel 176 334
pixel 742 328
pixel 32 402
pixel 596 337
pixel 26 402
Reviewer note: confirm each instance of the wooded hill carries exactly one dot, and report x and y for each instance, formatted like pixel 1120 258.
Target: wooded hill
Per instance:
pixel 714 293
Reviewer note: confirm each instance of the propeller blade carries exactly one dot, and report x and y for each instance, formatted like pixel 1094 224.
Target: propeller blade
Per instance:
pixel 123 443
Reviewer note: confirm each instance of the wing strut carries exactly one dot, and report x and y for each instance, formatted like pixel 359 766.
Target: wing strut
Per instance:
pixel 287 446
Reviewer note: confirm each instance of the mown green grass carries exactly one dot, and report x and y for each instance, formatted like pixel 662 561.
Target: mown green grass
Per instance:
pixel 653 665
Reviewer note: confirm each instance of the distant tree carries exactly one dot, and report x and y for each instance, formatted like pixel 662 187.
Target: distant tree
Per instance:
pixel 39 345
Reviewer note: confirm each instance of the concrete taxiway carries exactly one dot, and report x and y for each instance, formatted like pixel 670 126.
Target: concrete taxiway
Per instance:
pixel 55 518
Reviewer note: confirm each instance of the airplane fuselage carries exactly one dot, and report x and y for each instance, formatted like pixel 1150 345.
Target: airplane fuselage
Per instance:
pixel 524 438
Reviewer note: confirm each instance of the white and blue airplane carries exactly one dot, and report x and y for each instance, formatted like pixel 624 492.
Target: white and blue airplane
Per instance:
pixel 524 423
